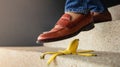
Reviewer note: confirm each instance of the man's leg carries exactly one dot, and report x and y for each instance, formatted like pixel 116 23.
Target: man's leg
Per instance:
pixel 78 13
pixel 97 9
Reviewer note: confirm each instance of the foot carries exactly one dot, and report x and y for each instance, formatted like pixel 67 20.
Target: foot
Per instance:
pixel 67 25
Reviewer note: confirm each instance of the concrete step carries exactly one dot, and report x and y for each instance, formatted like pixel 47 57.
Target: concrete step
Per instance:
pixel 114 10
pixel 30 57
pixel 104 37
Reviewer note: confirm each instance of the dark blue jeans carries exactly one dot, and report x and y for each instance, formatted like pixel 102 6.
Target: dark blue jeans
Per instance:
pixel 84 6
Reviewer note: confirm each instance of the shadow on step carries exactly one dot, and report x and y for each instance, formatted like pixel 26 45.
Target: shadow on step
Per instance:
pixel 91 26
pixel 37 45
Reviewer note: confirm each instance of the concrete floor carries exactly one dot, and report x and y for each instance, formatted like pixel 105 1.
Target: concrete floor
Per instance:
pixel 30 57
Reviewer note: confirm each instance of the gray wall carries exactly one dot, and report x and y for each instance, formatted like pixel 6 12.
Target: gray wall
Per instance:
pixel 21 21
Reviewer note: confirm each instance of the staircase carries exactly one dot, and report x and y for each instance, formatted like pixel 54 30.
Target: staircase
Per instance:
pixel 104 39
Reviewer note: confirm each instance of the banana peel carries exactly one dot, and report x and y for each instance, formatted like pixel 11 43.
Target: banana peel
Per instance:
pixel 72 49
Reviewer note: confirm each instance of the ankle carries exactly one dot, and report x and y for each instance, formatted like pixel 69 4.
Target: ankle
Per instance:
pixel 74 16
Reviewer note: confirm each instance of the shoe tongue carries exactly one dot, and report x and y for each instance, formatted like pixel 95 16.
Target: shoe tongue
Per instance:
pixel 64 20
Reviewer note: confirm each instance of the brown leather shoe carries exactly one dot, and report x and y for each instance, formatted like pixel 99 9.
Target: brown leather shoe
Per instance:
pixel 101 17
pixel 65 28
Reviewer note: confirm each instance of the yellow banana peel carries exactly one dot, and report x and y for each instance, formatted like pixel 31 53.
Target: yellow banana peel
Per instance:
pixel 72 49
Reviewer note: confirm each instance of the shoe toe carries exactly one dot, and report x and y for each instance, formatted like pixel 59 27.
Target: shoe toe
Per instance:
pixel 47 35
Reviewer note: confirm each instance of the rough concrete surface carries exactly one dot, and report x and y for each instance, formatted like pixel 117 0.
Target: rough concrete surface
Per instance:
pixel 30 57
pixel 114 10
